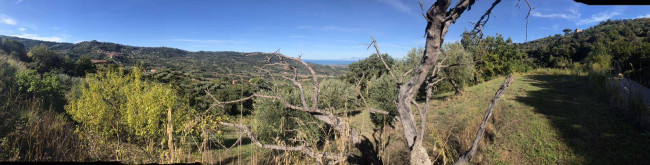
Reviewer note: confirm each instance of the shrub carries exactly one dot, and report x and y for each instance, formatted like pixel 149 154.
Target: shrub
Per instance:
pixel 114 103
pixel 337 94
pixel 279 124
pixel 47 88
pixel 382 94
pixel 463 73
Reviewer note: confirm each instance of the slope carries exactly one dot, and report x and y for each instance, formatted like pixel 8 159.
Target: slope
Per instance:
pixel 545 117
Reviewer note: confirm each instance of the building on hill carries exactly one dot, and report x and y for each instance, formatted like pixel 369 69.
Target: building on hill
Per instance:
pixel 100 62
pixel 578 31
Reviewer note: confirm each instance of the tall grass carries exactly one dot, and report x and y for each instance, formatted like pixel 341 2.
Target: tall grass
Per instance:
pixel 28 132
pixel 623 93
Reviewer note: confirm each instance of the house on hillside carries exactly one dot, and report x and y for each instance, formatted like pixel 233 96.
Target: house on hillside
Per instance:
pixel 578 31
pixel 100 62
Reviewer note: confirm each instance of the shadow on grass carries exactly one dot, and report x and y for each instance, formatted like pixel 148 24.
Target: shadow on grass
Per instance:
pixel 592 128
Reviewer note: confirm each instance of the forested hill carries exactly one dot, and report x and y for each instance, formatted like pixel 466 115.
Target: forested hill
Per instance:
pixel 202 63
pixel 624 45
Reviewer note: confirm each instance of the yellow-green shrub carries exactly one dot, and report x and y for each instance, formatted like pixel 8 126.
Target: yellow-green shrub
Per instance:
pixel 114 103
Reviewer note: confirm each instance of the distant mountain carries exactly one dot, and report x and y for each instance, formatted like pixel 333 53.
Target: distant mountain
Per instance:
pixel 201 63
pixel 332 62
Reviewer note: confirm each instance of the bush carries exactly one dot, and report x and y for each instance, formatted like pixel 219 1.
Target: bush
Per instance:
pixel 462 74
pixel 47 88
pixel 28 132
pixel 338 95
pixel 382 94
pixel 279 124
pixel 116 104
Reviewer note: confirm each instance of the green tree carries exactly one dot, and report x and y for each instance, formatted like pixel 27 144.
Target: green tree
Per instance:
pixel 381 94
pixel 44 58
pixel 461 71
pixel 277 124
pixel 371 66
pixel 83 65
pixel 567 31
pixel 337 95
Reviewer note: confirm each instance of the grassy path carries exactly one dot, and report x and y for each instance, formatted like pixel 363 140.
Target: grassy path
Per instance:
pixel 546 117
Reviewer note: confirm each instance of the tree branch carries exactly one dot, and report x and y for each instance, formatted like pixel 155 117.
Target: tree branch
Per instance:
pixel 467 156
pixel 383 61
pixel 301 148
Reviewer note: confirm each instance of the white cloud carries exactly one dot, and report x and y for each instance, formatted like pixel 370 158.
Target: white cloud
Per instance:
pixel 19 1
pixel 644 16
pixel 572 13
pixel 553 15
pixel 598 18
pixel 37 37
pixel 209 41
pixel 397 4
pixel 7 20
pixel 22 29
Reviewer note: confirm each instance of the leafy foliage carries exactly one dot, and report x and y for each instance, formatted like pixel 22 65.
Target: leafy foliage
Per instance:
pixel 279 124
pixel 382 94
pixel 47 87
pixel 115 103
pixel 337 95
pixel 370 67
pixel 495 56
pixel 461 62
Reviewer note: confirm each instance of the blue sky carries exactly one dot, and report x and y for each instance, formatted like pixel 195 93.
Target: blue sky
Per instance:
pixel 319 29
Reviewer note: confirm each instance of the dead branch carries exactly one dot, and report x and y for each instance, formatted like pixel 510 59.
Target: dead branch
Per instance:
pixel 302 148
pixel 374 42
pixel 467 156
pixel 336 123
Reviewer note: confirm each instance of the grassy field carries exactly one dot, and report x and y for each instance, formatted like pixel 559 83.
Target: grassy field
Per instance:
pixel 546 117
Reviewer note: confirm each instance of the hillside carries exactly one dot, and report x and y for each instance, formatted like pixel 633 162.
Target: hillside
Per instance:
pixel 209 64
pixel 545 117
pixel 624 44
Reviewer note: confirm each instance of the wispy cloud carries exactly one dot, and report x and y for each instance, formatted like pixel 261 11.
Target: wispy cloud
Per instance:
pixel 37 37
pixel 397 4
pixel 602 16
pixel 572 13
pixel 22 29
pixel 19 1
pixel 644 16
pixel 332 28
pixel 554 15
pixel 208 41
pixel 7 20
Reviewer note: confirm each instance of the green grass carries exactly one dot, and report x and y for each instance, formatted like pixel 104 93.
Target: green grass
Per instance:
pixel 545 117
